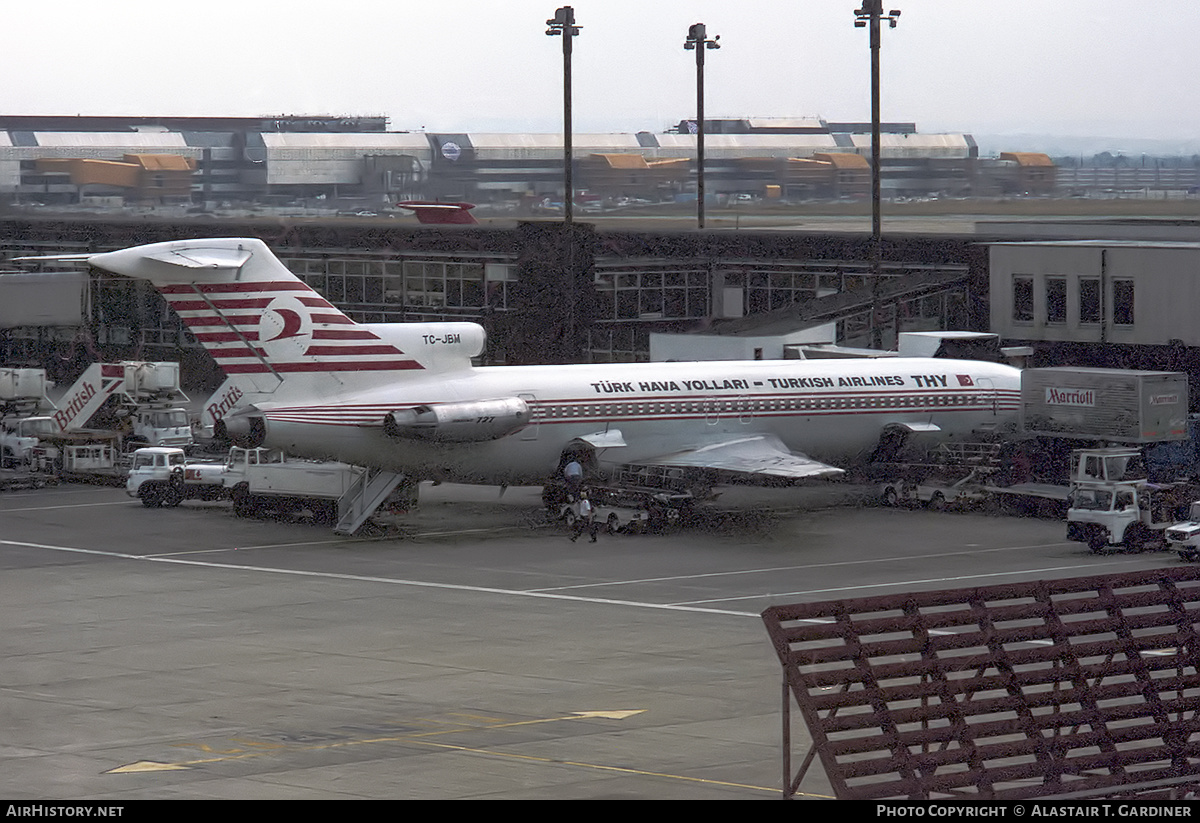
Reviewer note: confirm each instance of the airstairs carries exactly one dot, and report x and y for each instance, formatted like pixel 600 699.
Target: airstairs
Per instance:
pixel 363 497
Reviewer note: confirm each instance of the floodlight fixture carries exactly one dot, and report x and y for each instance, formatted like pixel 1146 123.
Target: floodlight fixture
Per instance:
pixel 563 25
pixel 697 41
pixel 871 15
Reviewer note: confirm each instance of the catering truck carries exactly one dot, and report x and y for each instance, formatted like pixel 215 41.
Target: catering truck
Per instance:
pixel 1034 469
pixel 22 396
pixel 1112 405
pixel 1113 504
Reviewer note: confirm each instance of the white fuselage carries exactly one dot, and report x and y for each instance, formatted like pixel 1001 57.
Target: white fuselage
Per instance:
pixel 830 410
pixel 404 396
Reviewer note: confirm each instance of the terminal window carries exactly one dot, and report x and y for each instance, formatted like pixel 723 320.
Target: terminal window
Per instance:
pixel 1056 300
pixel 1022 298
pixel 1123 302
pixel 1089 300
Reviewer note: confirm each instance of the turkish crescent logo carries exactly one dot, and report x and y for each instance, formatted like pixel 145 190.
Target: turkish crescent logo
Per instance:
pixel 285 328
pixel 291 324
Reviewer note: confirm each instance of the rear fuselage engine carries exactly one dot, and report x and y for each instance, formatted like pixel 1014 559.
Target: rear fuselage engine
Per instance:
pixel 468 422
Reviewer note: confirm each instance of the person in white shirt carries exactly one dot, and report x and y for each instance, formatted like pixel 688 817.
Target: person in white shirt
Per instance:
pixel 585 518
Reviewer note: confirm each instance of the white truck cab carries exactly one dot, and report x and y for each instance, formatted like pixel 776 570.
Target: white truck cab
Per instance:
pixel 21 437
pixel 1134 515
pixel 162 476
pixel 1184 537
pixel 156 476
pixel 162 427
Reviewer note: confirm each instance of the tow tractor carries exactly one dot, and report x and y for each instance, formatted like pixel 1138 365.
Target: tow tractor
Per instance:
pixel 634 499
pixel 936 495
pixel 955 475
pixel 627 511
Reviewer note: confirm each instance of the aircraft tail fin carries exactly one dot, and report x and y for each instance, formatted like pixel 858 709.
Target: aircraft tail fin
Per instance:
pixel 260 322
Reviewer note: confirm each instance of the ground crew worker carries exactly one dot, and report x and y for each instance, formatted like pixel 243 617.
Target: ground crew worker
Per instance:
pixel 585 518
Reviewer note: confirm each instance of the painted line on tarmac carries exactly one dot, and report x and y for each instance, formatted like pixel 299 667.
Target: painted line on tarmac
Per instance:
pixel 225 549
pixel 537 595
pixel 333 542
pixel 775 569
pixel 901 584
pixel 259 750
pixel 71 506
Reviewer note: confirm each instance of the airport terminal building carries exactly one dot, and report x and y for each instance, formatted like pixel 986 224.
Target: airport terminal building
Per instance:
pixel 1069 302
pixel 110 161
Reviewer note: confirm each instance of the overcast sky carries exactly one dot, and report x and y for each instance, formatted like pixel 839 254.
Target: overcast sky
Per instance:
pixel 1113 68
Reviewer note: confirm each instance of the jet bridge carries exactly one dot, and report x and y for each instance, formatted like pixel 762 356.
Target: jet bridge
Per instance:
pixel 1076 688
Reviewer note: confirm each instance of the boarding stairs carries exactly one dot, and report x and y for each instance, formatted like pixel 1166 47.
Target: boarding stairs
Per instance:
pixel 364 497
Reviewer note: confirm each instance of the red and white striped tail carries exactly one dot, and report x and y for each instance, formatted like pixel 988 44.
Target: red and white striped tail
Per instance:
pixel 254 316
pixel 281 327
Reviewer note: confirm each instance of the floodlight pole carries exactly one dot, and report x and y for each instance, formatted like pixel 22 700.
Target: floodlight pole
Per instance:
pixel 697 40
pixel 563 25
pixel 869 16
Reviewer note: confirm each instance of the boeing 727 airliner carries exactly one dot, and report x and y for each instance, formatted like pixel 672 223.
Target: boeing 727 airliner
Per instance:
pixel 405 397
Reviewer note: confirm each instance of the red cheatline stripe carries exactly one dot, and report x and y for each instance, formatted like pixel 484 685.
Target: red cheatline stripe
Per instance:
pixel 221 354
pixel 343 334
pixel 316 301
pixel 325 351
pixel 212 320
pixel 358 419
pixel 365 365
pixel 729 394
pixel 225 336
pixel 240 286
pixel 340 319
pixel 240 303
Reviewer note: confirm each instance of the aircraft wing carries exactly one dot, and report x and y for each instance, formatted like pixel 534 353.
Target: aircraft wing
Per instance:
pixel 762 455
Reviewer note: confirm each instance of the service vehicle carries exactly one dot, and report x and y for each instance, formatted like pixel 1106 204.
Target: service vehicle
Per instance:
pixel 21 437
pixel 612 518
pixel 1184 537
pixel 937 494
pixel 1115 405
pixel 1061 408
pixel 261 481
pixel 22 396
pixel 140 400
pixel 97 460
pixel 1113 504
pixel 81 454
pixel 163 476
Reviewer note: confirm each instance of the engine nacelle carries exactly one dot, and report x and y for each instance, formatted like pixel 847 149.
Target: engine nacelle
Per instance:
pixel 247 431
pixel 468 422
